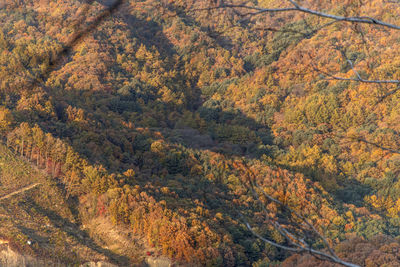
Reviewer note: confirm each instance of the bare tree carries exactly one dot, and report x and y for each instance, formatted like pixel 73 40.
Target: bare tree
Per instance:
pixel 295 7
pixel 299 233
pixel 297 230
pixel 246 11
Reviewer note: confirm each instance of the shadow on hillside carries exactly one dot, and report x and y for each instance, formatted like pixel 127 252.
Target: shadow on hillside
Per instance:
pixel 106 139
pixel 230 133
pixel 189 19
pixel 152 29
pixel 148 32
pixel 31 233
pixel 73 231
pixel 342 189
pixel 232 141
pixel 353 192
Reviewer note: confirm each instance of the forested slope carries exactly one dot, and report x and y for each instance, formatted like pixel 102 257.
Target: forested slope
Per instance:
pixel 38 223
pixel 155 120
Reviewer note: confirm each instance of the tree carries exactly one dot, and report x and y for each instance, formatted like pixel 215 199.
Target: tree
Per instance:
pixel 297 229
pixel 294 236
pixel 245 12
pixel 6 120
pixel 39 140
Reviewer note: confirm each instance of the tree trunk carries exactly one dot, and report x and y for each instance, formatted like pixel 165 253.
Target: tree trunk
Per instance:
pixel 31 157
pixel 22 148
pixel 38 159
pixel 46 161
pixel 55 169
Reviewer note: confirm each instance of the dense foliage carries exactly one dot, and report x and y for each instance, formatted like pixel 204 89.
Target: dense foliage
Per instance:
pixel 153 120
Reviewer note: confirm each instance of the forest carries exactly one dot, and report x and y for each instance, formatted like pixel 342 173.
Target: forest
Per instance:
pixel 152 127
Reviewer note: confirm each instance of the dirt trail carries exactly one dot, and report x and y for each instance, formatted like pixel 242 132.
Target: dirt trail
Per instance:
pixel 19 191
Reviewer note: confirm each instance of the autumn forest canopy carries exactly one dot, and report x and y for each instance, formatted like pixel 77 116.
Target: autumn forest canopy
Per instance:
pixel 147 126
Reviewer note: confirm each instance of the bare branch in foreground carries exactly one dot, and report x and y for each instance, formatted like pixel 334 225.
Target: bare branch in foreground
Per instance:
pixel 362 140
pixel 318 254
pixel 390 93
pixel 357 79
pixel 296 7
pixel 254 10
pixel 296 229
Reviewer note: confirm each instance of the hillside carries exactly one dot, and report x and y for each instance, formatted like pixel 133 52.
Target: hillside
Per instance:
pixel 142 141
pixel 37 221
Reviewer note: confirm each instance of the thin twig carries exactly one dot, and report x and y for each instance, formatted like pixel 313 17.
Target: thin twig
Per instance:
pixel 299 8
pixel 297 243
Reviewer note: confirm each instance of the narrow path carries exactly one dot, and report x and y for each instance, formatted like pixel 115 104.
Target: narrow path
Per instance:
pixel 19 191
